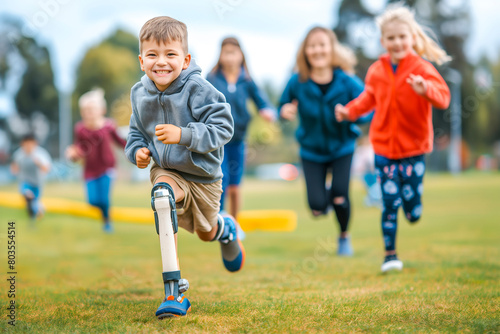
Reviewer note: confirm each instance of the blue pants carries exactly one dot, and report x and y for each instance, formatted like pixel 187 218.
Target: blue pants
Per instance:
pixel 98 193
pixel 401 184
pixel 32 195
pixel 233 166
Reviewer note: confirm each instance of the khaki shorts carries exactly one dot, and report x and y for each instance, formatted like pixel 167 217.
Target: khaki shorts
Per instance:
pixel 200 206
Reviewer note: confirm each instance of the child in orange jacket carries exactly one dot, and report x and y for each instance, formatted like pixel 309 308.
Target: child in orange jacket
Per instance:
pixel 402 87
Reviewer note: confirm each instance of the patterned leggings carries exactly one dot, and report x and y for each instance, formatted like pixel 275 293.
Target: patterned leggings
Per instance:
pixel 401 183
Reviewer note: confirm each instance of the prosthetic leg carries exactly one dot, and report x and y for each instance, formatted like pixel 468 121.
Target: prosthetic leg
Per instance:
pixel 163 204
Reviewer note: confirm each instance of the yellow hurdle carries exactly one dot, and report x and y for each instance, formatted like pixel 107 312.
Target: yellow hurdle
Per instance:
pixel 249 220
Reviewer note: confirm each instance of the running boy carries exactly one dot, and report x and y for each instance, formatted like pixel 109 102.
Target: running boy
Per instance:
pixel 402 87
pixel 30 163
pixel 183 122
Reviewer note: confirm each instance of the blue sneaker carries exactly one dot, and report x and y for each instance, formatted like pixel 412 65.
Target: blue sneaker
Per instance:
pixel 107 228
pixel 345 248
pixel 233 253
pixel 173 308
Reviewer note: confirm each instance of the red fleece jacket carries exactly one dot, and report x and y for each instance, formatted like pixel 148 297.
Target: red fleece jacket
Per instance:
pixel 402 123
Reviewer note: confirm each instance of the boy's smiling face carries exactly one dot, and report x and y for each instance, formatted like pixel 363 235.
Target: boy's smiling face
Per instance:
pixel 163 62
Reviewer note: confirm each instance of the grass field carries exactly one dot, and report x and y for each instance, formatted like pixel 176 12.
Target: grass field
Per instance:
pixel 71 278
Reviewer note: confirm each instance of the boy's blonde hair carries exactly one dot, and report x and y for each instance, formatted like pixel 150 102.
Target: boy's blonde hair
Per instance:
pixel 342 56
pixel 164 29
pixel 96 96
pixel 424 45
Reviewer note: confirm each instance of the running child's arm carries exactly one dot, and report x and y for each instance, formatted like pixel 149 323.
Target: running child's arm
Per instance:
pixel 432 87
pixel 288 106
pixel 75 152
pixel 357 89
pixel 43 165
pixel 361 105
pixel 265 109
pixel 72 153
pixel 135 139
pixel 14 168
pixel 214 127
pixel 116 138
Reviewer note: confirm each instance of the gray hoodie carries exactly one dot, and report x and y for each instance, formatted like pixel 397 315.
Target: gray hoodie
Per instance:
pixel 194 105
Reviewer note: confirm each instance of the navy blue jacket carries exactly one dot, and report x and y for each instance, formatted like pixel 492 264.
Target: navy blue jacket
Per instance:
pixel 321 137
pixel 237 97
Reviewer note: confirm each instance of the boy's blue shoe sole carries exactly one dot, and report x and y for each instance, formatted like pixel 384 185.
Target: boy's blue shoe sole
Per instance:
pixel 173 308
pixel 233 252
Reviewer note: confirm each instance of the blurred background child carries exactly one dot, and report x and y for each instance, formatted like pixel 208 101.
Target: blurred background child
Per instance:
pixel 324 79
pixel 231 77
pixel 94 136
pixel 363 167
pixel 403 87
pixel 31 163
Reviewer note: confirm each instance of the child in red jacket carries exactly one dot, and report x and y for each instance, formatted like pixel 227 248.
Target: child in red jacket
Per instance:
pixel 94 136
pixel 402 87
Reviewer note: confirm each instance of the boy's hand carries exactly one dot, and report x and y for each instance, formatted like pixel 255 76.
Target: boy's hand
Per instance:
pixel 341 113
pixel 168 133
pixel 418 83
pixel 142 157
pixel 289 110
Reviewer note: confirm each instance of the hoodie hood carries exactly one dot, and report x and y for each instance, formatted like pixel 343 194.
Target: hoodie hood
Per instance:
pixel 177 84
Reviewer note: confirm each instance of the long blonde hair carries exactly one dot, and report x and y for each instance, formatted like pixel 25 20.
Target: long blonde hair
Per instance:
pixel 424 45
pixel 342 56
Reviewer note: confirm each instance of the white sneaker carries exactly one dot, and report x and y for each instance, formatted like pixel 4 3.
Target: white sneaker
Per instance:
pixel 391 262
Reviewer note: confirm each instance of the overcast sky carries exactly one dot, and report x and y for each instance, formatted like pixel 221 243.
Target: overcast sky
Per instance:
pixel 269 30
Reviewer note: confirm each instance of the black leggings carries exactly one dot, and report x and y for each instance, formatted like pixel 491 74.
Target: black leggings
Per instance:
pixel 319 197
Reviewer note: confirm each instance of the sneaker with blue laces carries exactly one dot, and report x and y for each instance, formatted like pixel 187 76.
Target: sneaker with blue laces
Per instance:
pixel 345 248
pixel 171 307
pixel 391 262
pixel 233 253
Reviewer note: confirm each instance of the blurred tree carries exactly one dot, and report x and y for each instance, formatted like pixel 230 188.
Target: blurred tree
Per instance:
pixel 38 91
pixel 485 104
pixel 27 86
pixel 112 65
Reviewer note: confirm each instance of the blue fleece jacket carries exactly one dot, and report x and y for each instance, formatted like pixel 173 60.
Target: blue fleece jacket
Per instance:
pixel 237 96
pixel 321 137
pixel 194 105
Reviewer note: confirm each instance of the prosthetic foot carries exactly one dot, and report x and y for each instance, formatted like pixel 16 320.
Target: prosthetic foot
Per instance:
pixel 175 303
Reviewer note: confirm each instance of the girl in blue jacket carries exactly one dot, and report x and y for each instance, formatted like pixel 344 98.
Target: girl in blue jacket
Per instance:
pixel 230 76
pixel 324 79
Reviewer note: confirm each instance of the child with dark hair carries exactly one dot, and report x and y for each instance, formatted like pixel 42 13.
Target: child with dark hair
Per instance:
pixel 31 163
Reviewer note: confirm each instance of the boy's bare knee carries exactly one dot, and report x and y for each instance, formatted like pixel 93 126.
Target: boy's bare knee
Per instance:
pixel 178 192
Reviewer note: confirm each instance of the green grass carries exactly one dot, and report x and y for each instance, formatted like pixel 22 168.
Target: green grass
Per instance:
pixel 74 279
